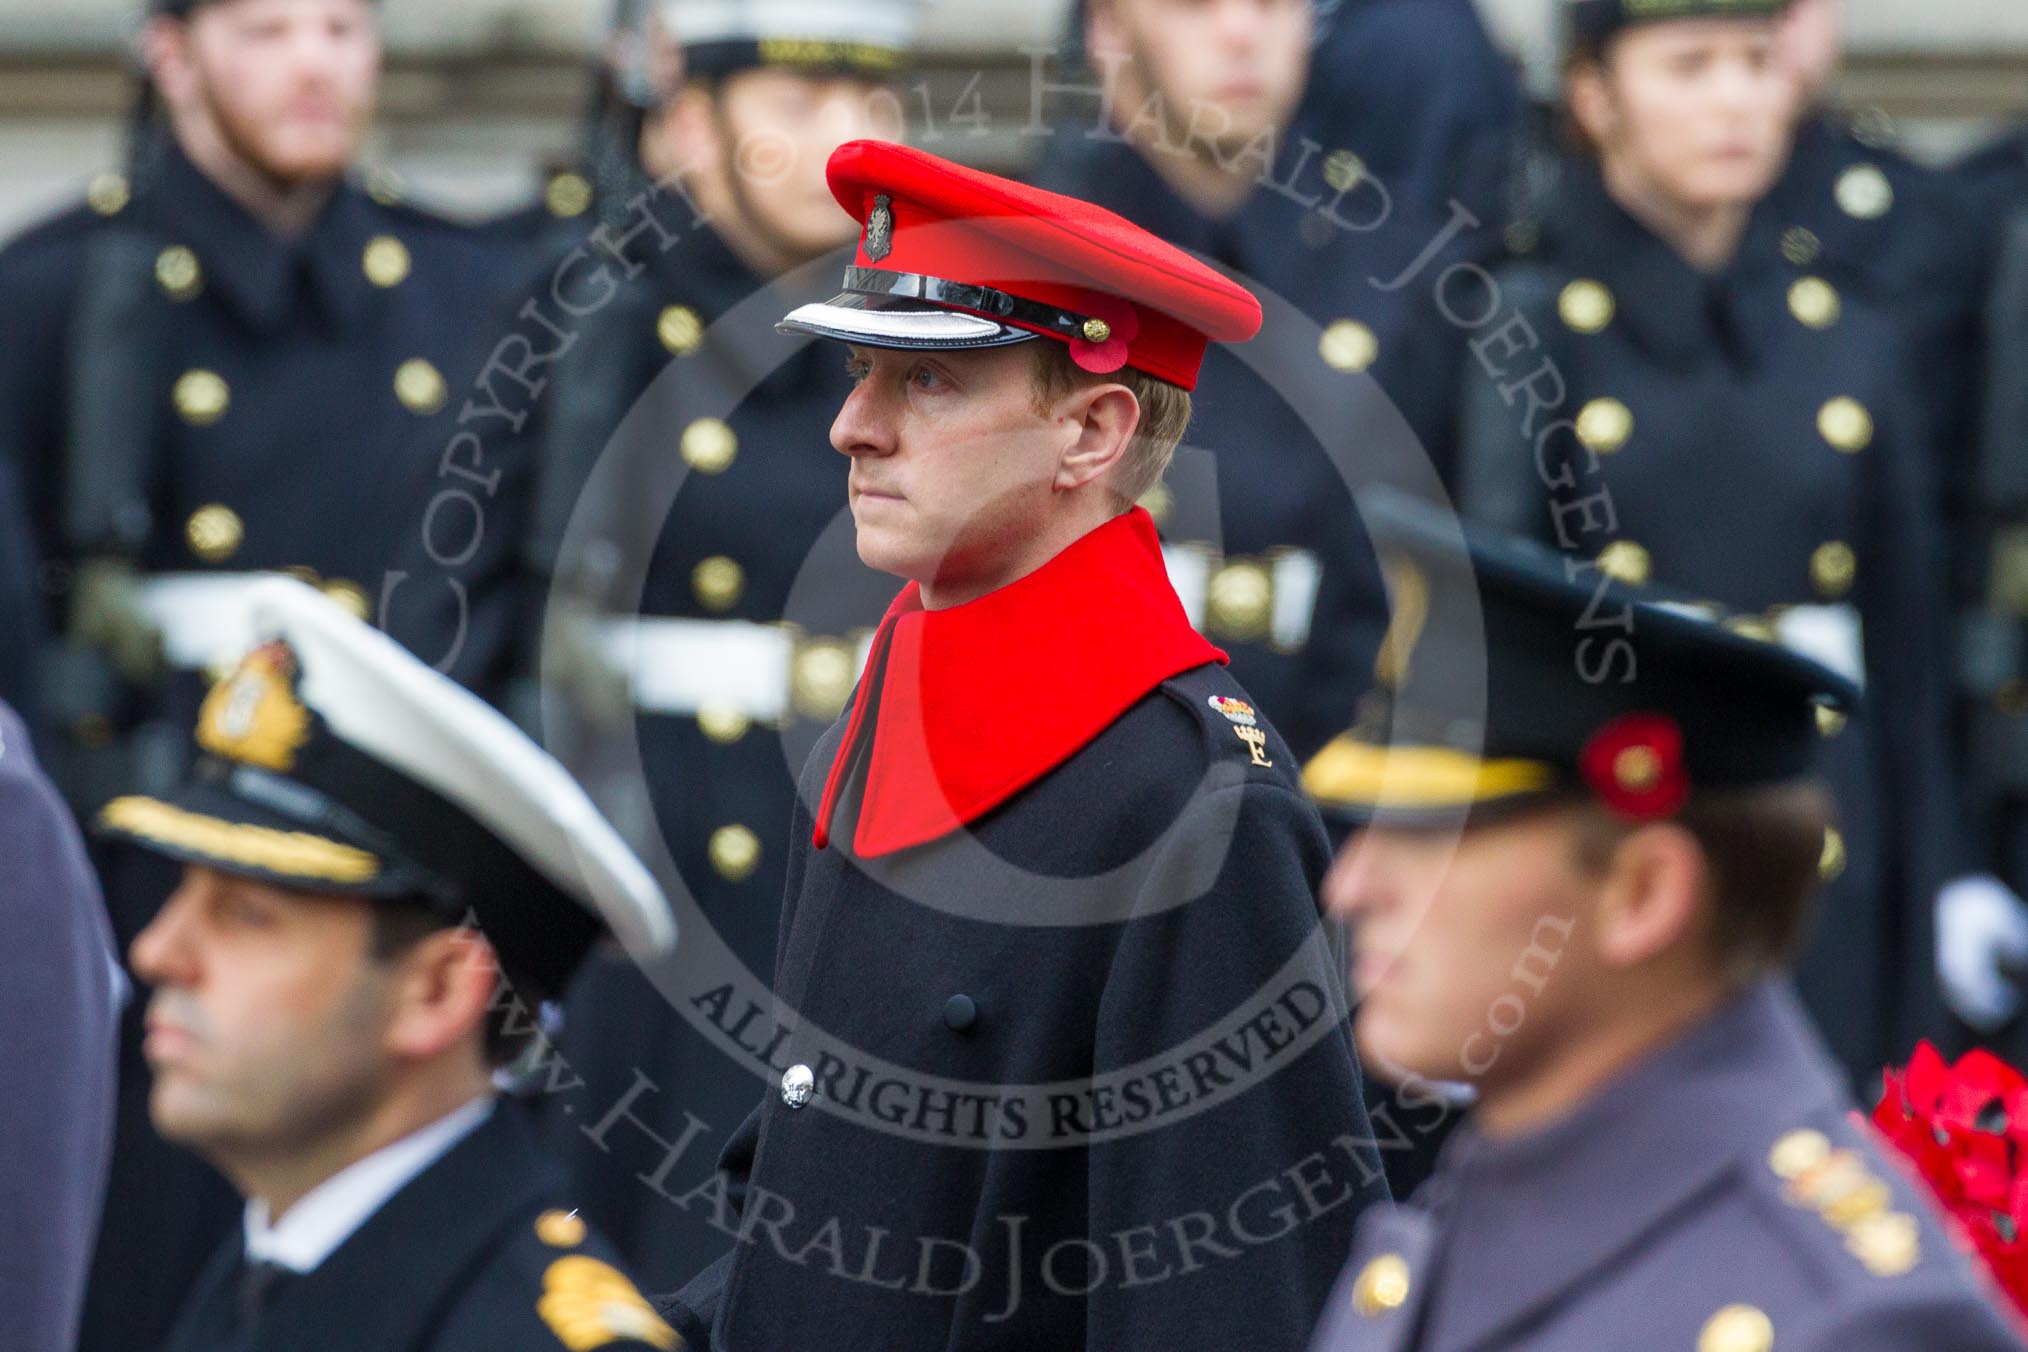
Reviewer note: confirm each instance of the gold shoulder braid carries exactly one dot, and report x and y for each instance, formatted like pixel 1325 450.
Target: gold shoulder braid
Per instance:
pixel 588 1304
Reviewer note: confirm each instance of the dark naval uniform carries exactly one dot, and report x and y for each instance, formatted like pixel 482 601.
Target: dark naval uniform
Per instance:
pixel 479 1251
pixel 293 405
pixel 1856 210
pixel 1748 439
pixel 1992 185
pixel 738 634
pixel 1419 90
pixel 1073 1073
pixel 191 400
pixel 1718 1196
pixel 20 595
pixel 1352 381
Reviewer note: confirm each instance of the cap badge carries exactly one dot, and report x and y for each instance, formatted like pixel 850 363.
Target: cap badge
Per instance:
pixel 253 715
pixel 1101 343
pixel 1635 766
pixel 880 228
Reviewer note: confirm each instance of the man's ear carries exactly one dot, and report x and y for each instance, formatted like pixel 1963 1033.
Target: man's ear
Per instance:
pixel 165 51
pixel 1591 101
pixel 1103 35
pixel 442 989
pixel 1653 899
pixel 681 137
pixel 1104 418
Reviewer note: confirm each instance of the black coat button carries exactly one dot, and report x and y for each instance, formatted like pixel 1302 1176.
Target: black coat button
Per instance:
pixel 960 1013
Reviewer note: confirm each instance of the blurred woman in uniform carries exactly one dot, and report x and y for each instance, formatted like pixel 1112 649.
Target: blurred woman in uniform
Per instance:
pixel 1687 406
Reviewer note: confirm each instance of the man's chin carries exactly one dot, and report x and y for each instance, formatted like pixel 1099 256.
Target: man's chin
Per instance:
pixel 300 159
pixel 1389 1050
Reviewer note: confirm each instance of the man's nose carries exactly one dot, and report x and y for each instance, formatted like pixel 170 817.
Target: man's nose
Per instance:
pixel 865 425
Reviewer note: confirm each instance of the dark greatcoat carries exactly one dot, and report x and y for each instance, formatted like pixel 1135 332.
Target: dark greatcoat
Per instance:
pixel 966 1172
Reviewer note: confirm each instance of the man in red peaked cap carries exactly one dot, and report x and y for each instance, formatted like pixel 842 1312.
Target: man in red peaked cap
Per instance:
pixel 1062 1059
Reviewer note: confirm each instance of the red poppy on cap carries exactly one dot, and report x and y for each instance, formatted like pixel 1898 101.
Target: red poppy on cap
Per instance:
pixel 951 257
pixel 1634 765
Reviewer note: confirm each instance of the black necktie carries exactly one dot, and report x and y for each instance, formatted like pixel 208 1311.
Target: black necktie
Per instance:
pixel 258 1281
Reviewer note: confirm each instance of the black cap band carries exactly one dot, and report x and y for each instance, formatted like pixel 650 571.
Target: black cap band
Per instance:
pixel 1593 23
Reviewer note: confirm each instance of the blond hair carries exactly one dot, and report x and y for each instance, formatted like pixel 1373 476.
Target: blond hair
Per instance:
pixel 1165 414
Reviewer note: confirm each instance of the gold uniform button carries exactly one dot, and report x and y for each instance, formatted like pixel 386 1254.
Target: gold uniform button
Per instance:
pixel 1832 568
pixel 1238 601
pixel 1381 1286
pixel 1800 245
pixel 201 397
pixel 718 582
pixel 722 723
pixel 350 595
pixel 214 532
pixel 1831 861
pixel 1627 561
pixel 177 270
pixel 709 445
pixel 1737 1328
pixel 1604 425
pixel 1797 1152
pixel 560 1229
pixel 1342 169
pixel 1096 330
pixel 1348 345
pixel 420 387
pixel 1888 1244
pixel 680 329
pixel 386 261
pixel 1863 192
pixel 1829 721
pixel 821 680
pixel 1845 424
pixel 567 195
pixel 108 194
pixel 1585 305
pixel 1814 302
pixel 735 853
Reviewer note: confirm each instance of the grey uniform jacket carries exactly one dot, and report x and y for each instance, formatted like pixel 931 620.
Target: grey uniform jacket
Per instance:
pixel 1718 1197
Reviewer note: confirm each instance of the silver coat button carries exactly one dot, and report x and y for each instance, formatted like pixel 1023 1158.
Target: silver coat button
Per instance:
pixel 797 1086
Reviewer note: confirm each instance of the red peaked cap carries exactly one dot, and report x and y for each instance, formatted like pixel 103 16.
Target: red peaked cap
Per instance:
pixel 979 229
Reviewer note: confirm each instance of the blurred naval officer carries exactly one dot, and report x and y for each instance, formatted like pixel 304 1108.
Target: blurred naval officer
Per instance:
pixel 1062 1061
pixel 1669 397
pixel 382 880
pixel 232 359
pixel 1588 838
pixel 715 559
pixel 1213 126
pixel 60 999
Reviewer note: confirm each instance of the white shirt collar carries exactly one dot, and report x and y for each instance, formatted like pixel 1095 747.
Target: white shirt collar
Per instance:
pixel 329 1213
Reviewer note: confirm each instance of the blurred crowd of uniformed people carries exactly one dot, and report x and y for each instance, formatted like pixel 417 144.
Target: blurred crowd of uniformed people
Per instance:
pixel 1691 319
